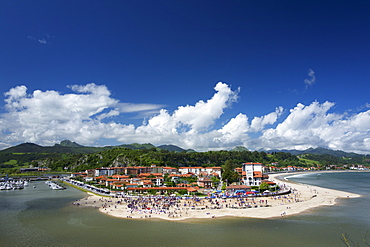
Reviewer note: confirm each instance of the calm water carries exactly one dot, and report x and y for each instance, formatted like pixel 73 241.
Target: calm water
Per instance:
pixel 42 217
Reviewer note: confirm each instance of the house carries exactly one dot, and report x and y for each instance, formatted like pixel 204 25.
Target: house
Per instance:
pixel 157 181
pixel 214 170
pixel 110 181
pixel 201 170
pixel 169 170
pixel 205 182
pixel 120 177
pixel 78 174
pixel 118 170
pixel 156 169
pixel 253 174
pixel 90 172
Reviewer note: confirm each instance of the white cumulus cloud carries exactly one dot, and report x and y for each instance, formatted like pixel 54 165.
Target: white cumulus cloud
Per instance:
pixel 89 114
pixel 313 126
pixel 45 117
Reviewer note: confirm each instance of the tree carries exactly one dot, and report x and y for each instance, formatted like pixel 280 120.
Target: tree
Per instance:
pixel 229 173
pixel 215 181
pixel 151 192
pixel 264 186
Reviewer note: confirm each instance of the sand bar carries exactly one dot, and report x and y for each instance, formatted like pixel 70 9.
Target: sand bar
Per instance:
pixel 302 198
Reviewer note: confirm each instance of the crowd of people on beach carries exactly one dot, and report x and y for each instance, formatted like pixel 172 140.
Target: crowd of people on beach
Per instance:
pixel 148 206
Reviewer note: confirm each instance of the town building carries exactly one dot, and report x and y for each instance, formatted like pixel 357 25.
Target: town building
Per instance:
pixel 253 174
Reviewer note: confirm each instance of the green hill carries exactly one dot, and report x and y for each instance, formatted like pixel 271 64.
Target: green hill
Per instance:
pixel 172 148
pixel 319 151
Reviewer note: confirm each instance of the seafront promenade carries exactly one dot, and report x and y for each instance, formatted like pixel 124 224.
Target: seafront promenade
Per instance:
pixel 301 198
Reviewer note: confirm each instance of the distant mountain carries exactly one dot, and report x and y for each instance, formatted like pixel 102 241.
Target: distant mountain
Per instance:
pixel 64 147
pixel 24 148
pixel 68 143
pixel 240 149
pixel 319 151
pixel 171 148
pixel 68 146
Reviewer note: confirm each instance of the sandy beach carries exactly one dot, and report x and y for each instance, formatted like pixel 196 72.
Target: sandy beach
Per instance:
pixel 302 198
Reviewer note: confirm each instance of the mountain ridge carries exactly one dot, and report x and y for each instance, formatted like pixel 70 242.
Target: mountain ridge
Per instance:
pixel 67 146
pixel 319 151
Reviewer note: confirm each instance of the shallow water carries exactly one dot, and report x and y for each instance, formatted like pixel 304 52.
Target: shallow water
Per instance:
pixel 43 217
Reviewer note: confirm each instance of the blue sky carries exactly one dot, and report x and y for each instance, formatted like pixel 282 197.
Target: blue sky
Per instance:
pixel 206 75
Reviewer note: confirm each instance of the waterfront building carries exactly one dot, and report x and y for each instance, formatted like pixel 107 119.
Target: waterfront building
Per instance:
pixel 253 174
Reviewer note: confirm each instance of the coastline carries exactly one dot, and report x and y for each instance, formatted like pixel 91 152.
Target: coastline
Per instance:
pixel 302 198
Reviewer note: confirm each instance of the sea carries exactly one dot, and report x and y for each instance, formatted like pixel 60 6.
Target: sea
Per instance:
pixel 43 217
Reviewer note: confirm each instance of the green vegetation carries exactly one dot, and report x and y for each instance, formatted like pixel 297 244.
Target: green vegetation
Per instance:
pixel 264 186
pixel 72 157
pixel 229 174
pixel 11 162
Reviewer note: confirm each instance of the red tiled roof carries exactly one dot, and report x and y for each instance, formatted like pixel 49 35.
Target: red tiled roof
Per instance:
pixel 111 180
pixel 144 175
pixel 268 182
pixel 186 175
pixel 120 176
pixel 157 174
pixel 257 174
pixel 191 189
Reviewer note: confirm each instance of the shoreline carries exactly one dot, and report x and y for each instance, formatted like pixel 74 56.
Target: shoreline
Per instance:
pixel 302 198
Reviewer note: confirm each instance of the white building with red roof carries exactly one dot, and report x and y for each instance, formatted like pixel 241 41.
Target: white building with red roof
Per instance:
pixel 252 174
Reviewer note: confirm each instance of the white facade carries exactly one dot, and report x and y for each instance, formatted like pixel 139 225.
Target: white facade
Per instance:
pixel 198 170
pixel 252 174
pixel 104 172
